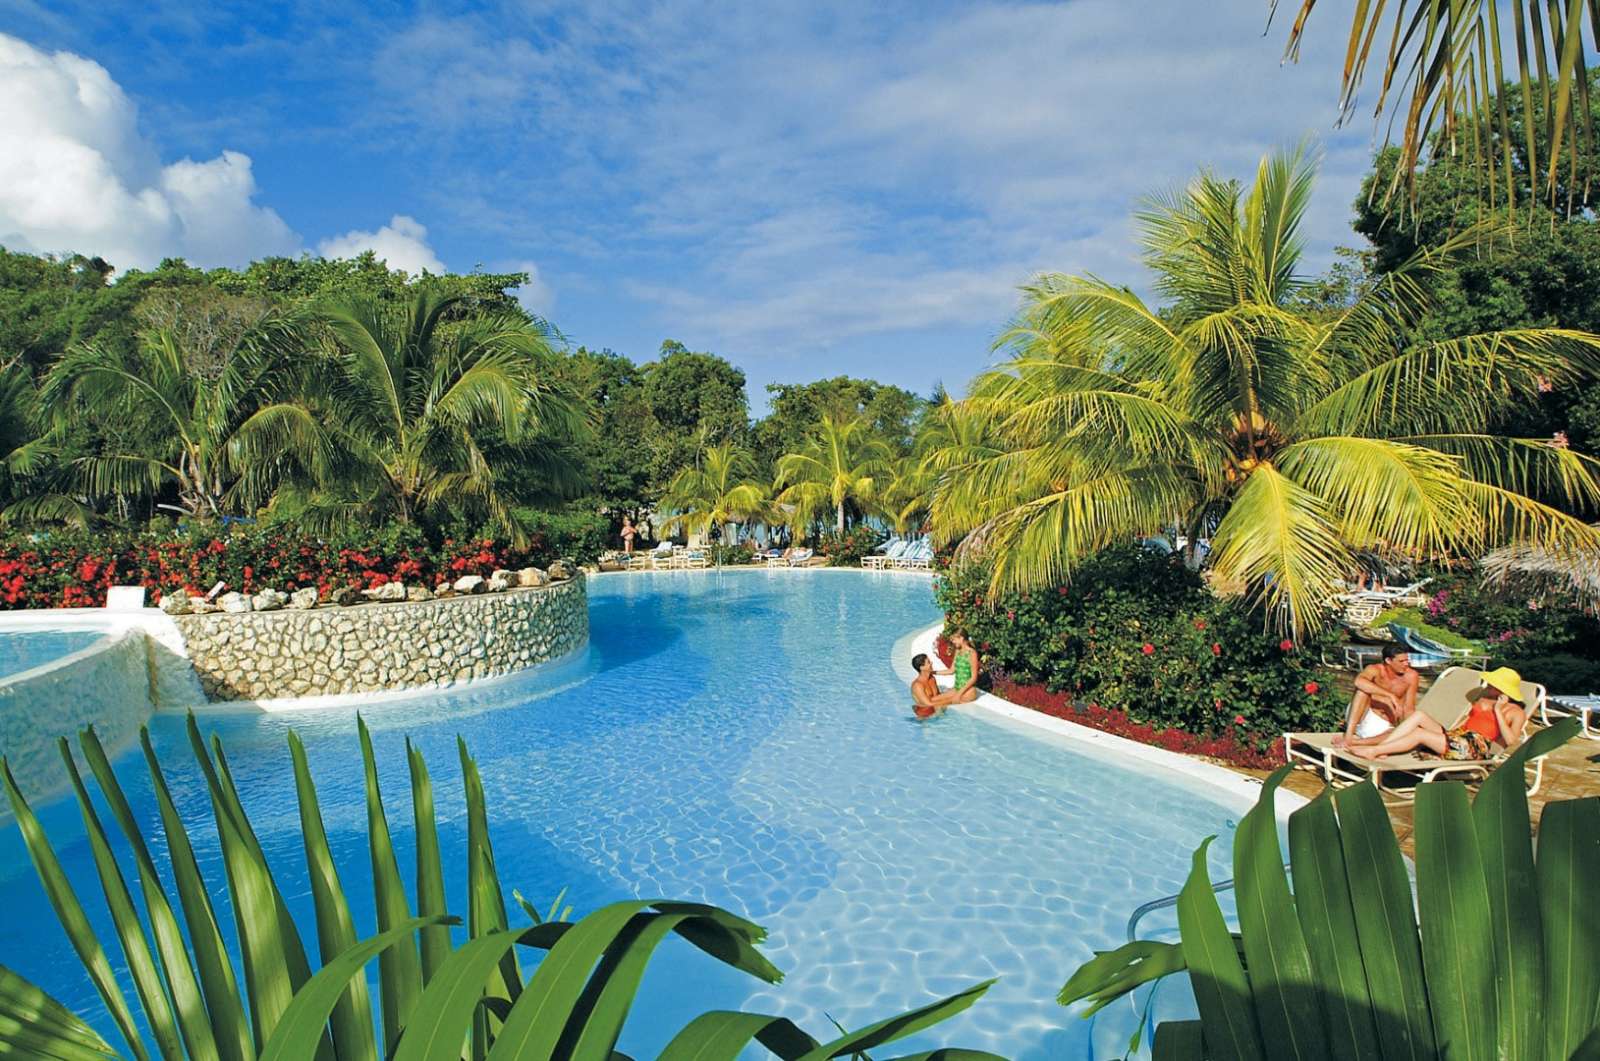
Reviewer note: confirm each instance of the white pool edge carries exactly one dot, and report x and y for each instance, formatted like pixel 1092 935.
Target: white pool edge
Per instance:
pixel 1093 741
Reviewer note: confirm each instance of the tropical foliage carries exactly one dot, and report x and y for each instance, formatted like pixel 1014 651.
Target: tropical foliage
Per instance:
pixel 435 999
pixel 1445 61
pixel 841 464
pixel 1493 959
pixel 1290 435
pixel 716 491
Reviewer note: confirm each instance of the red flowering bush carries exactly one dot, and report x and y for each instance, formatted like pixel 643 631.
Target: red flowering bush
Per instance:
pixel 847 549
pixel 1139 636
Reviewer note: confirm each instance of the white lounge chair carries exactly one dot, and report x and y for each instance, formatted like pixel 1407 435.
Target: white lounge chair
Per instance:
pixel 799 557
pixel 892 552
pixel 917 558
pixel 1446 702
pixel 694 558
pixel 661 557
pixel 1585 708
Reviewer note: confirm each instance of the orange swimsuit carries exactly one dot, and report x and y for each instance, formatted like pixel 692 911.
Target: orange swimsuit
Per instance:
pixel 1474 737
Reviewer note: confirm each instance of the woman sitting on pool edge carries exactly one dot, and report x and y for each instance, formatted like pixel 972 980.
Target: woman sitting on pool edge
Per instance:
pixel 1495 717
pixel 965 670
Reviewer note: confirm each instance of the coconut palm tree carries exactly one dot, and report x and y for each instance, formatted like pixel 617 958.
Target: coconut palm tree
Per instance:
pixel 1293 436
pixel 717 489
pixel 177 406
pixel 420 413
pixel 841 462
pixel 1446 60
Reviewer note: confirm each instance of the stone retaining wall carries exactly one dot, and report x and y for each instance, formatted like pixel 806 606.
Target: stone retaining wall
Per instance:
pixel 381 647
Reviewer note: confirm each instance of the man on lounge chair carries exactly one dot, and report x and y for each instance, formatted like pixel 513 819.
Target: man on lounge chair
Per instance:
pixel 1496 716
pixel 1386 695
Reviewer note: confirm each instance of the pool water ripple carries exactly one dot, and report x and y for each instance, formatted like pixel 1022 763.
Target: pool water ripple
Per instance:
pixel 736 738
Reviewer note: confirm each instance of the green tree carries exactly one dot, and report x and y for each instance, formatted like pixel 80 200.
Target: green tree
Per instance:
pixel 717 490
pixel 695 400
pixel 841 463
pixel 796 407
pixel 1293 437
pixel 616 455
pixel 419 418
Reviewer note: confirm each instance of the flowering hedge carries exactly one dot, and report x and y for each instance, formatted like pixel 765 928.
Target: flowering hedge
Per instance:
pixel 847 549
pixel 1137 645
pixel 72 569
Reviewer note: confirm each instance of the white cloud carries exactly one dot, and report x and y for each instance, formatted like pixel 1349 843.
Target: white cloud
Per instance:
pixel 403 243
pixel 536 295
pixel 76 175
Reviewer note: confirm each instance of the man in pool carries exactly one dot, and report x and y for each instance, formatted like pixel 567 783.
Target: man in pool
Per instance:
pixel 1386 695
pixel 926 699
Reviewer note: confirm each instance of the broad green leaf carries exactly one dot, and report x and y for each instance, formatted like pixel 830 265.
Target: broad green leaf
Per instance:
pixel 1288 1010
pixel 1380 895
pixel 125 919
pixel 723 1035
pixel 908 1023
pixel 70 912
pixel 1111 974
pixel 34 1025
pixel 193 1022
pixel 228 1021
pixel 1505 842
pixel 301 1027
pixel 1568 1001
pixel 351 1021
pixel 486 907
pixel 399 968
pixel 1454 914
pixel 1179 1040
pixel 1220 987
pixel 430 870
pixel 1322 899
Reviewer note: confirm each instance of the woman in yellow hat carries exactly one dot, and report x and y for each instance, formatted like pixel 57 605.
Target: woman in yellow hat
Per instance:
pixel 1495 716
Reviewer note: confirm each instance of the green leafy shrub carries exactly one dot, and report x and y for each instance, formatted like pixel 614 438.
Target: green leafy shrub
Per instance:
pixel 1138 633
pixel 847 549
pixel 1415 619
pixel 1517 619
pixel 1560 672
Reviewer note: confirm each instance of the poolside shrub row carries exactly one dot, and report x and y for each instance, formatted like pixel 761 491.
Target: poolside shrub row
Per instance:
pixel 1136 644
pixel 70 569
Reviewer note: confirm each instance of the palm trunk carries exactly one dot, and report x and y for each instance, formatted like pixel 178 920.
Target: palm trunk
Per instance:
pixel 840 525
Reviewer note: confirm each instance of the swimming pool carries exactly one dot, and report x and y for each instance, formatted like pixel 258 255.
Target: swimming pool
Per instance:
pixel 736 738
pixel 22 650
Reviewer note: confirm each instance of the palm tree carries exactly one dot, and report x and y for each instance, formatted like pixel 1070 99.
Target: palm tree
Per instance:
pixel 842 461
pixel 1446 59
pixel 424 414
pixel 178 407
pixel 715 490
pixel 1293 436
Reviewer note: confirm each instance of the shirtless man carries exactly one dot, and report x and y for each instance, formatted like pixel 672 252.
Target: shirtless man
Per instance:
pixel 1386 695
pixel 926 699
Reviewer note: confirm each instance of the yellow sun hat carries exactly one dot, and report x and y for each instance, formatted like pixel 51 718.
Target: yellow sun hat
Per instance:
pixel 1506 680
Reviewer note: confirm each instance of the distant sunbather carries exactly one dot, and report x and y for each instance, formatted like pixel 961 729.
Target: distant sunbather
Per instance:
pixel 1496 716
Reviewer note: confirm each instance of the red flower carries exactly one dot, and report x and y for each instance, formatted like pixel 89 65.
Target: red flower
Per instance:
pixel 1286 645
pixel 1199 624
pixel 1238 720
pixel 1062 590
pixel 1148 649
pixel 1217 704
pixel 1312 687
pixel 1010 614
pixel 1216 648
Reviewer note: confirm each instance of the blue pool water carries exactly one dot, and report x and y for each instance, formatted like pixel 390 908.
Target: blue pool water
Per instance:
pixel 22 650
pixel 736 738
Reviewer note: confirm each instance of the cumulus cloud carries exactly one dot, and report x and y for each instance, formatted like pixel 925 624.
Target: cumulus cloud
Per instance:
pixel 402 243
pixel 76 175
pixel 536 295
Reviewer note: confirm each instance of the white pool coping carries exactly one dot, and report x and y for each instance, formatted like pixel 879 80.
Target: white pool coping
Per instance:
pixel 990 708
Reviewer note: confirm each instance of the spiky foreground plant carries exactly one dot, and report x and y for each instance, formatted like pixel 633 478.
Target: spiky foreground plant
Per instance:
pixel 437 1000
pixel 1292 435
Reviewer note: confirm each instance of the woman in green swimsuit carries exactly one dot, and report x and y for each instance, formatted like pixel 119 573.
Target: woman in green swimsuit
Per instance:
pixel 964 668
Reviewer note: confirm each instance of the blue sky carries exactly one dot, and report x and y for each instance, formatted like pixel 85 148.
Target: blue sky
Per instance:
pixel 807 189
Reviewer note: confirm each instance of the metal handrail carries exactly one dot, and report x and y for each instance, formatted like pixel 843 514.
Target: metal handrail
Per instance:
pixel 1170 900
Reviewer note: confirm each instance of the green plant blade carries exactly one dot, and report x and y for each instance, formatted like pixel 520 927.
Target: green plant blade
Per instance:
pixel 1220 987
pixel 1111 974
pixel 1569 866
pixel 193 1021
pixel 725 936
pixel 125 919
pixel 1380 895
pixel 351 1021
pixel 1322 899
pixel 444 1013
pixel 908 1023
pixel 430 870
pixel 1505 843
pixel 34 1025
pixel 399 968
pixel 301 1027
pixel 486 907
pixel 1453 910
pixel 229 1024
pixel 1179 1040
pixel 70 913
pixel 722 1035
pixel 949 1053
pixel 1282 985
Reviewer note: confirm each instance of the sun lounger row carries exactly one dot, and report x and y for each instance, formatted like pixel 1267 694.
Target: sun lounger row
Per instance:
pixel 669 557
pixel 1398 775
pixel 789 558
pixel 901 555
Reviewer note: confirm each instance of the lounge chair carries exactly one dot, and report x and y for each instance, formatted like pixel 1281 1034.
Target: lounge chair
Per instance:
pixel 917 558
pixel 1427 653
pixel 892 552
pixel 639 561
pixel 1585 708
pixel 799 557
pixel 1446 702
pixel 693 558
pixel 661 557
pixel 1388 598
